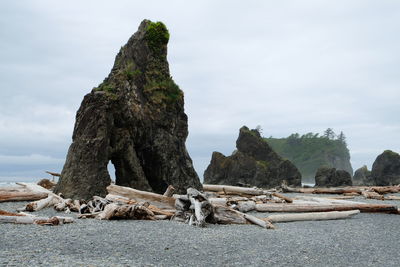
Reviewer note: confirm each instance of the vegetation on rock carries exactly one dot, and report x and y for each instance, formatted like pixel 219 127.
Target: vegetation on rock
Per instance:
pixel 311 151
pixel 135 119
pixel 157 35
pixel 253 163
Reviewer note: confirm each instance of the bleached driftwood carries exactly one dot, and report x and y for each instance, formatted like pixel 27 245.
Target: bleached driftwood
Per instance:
pixel 7 213
pixel 372 195
pixel 305 200
pixel 386 189
pixel 170 191
pixel 263 223
pixel 313 216
pixel 23 192
pixel 200 205
pixel 121 199
pixel 51 200
pixel 56 220
pixel 226 215
pixel 275 207
pixel 218 201
pixel 392 198
pixel 287 199
pixel 115 211
pixel 228 189
pixel 154 199
pixel 246 206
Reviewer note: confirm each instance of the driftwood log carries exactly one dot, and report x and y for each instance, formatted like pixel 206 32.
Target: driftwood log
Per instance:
pixel 276 207
pixel 232 190
pixel 313 216
pixel 115 211
pixel 160 201
pixel 28 219
pixel 23 192
pixel 170 191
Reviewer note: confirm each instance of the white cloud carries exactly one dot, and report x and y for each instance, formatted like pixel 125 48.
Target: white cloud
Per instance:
pixel 288 66
pixel 33 159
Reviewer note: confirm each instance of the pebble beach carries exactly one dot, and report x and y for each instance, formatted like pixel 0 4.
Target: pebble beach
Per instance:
pixel 364 240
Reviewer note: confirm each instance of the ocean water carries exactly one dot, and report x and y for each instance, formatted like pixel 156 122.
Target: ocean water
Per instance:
pixel 10 181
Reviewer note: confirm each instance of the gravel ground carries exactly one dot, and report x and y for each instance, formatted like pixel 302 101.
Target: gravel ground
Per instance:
pixel 364 240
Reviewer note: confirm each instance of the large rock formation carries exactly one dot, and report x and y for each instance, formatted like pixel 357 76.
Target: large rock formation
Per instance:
pixel 386 169
pixel 254 163
pixel 362 176
pixel 136 120
pixel 310 151
pixel 330 177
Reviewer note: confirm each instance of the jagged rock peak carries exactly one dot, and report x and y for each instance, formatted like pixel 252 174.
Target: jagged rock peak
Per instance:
pixel 135 119
pixel 254 163
pixel 141 68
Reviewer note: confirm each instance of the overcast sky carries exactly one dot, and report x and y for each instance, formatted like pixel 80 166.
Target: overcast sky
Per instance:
pixel 289 66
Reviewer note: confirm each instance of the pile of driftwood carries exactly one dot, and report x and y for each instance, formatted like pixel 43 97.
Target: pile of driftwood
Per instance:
pixel 371 192
pixel 217 204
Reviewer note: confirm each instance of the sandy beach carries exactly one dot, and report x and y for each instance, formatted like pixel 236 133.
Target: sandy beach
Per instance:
pixel 364 240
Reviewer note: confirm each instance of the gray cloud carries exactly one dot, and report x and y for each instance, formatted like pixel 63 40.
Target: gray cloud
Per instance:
pixel 292 66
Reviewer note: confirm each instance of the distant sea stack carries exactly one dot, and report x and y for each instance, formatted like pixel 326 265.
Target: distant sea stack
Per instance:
pixel 254 163
pixel 362 176
pixel 386 169
pixel 135 118
pixel 312 151
pixel 330 177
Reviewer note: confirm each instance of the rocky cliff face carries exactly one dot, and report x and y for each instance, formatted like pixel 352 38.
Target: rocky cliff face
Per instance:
pixel 254 163
pixel 362 176
pixel 330 177
pixel 310 151
pixel 136 120
pixel 339 163
pixel 386 169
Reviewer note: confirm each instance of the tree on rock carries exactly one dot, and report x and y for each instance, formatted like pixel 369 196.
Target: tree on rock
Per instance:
pixel 254 163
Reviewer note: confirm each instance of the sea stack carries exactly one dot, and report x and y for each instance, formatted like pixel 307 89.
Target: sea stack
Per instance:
pixel 362 176
pixel 135 118
pixel 254 163
pixel 330 177
pixel 386 169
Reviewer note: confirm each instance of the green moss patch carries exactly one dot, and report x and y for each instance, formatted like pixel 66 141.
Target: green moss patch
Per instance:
pixel 157 35
pixel 163 90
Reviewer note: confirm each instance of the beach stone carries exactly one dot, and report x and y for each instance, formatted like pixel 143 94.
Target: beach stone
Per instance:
pixel 135 118
pixel 386 169
pixel 330 177
pixel 254 163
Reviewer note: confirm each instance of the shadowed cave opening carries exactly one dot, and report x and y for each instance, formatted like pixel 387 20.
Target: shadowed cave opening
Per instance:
pixel 123 175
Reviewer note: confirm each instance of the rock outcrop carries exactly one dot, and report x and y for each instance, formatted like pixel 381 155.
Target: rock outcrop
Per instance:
pixel 362 176
pixel 386 169
pixel 254 163
pixel 310 151
pixel 136 120
pixel 330 177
